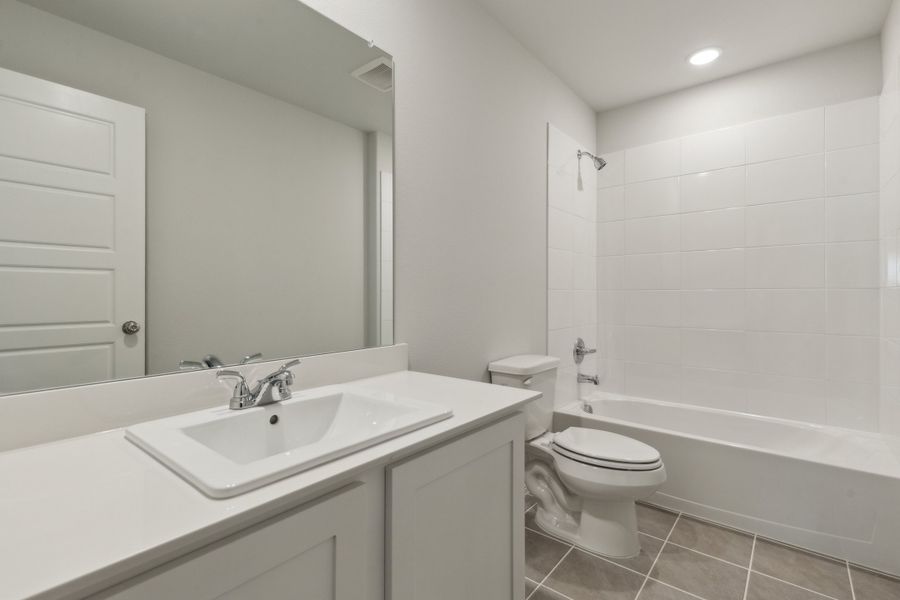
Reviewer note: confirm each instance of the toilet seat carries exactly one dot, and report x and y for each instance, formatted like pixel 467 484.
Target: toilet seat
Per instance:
pixel 605 449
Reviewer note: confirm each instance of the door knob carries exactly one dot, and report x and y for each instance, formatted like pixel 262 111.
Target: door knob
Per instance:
pixel 130 327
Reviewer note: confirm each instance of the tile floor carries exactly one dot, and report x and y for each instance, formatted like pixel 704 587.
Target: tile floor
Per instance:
pixel 683 558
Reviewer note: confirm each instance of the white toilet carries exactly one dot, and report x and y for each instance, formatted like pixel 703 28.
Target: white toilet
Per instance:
pixel 585 480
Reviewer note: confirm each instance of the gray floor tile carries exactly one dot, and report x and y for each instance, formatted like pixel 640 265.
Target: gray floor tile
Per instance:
pixel 641 563
pixel 655 521
pixel 706 577
pixel 874 586
pixel 655 590
pixel 545 593
pixel 541 555
pixel 529 586
pixel 529 519
pixel 582 576
pixel 766 588
pixel 714 540
pixel 807 570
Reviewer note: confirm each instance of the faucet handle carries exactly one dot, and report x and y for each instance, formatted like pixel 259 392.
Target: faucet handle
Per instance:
pixel 190 365
pixel 241 394
pixel 251 357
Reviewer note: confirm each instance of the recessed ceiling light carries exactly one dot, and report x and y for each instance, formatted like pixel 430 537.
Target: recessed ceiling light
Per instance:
pixel 704 57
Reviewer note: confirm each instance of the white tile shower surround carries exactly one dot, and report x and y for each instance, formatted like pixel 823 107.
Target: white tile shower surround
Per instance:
pixel 572 256
pixel 739 268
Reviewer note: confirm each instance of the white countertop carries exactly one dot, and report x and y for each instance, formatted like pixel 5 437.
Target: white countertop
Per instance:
pixel 80 514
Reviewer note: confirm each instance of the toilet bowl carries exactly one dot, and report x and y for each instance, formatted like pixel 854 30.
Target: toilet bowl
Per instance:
pixel 586 481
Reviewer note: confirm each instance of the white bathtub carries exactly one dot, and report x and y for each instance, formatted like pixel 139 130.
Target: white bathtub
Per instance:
pixel 835 491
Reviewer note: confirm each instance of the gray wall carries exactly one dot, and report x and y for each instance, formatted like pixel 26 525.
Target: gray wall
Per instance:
pixel 471 190
pixel 237 263
pixel 830 76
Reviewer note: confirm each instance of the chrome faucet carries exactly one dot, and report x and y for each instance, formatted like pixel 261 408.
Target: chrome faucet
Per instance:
pixel 595 379
pixel 581 350
pixel 261 394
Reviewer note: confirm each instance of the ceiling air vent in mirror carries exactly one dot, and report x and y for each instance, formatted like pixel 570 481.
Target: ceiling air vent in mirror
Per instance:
pixel 378 74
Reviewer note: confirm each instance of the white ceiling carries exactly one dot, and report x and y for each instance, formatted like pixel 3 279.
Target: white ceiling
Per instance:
pixel 614 52
pixel 278 47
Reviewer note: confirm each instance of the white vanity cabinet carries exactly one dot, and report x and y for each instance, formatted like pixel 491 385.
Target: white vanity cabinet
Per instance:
pixel 444 523
pixel 315 552
pixel 455 518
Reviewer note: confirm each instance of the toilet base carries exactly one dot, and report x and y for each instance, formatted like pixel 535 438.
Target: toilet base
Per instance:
pixel 607 528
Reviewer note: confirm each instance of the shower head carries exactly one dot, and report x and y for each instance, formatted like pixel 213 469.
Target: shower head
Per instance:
pixel 599 163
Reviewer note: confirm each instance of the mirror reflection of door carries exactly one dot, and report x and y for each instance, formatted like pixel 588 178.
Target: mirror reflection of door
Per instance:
pixel 71 235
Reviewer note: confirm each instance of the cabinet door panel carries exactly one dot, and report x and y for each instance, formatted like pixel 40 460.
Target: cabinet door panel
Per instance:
pixel 315 552
pixel 456 519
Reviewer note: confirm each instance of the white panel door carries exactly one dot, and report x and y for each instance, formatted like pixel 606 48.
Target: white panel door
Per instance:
pixel 316 552
pixel 456 519
pixel 71 235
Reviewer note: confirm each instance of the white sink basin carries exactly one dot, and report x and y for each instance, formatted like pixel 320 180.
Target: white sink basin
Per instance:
pixel 228 452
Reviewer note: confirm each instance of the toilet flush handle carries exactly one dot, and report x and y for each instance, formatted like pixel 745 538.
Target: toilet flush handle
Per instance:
pixel 527 382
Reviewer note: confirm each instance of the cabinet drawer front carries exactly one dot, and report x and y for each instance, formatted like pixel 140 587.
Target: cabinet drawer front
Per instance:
pixel 315 552
pixel 455 517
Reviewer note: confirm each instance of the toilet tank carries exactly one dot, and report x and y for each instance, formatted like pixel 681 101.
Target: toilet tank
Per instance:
pixel 534 372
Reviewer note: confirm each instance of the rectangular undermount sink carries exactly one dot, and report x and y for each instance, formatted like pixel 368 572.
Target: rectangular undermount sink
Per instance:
pixel 226 452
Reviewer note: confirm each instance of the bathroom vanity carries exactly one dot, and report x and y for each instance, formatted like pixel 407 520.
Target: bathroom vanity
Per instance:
pixel 438 509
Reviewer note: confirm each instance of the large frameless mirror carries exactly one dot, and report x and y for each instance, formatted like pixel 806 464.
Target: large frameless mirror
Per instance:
pixel 186 185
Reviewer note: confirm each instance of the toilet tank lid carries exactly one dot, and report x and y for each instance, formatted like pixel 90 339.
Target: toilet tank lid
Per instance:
pixel 524 364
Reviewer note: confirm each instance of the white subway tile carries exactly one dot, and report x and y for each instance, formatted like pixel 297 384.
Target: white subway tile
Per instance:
pixel 561 190
pixel 854 312
pixel 586 204
pixel 611 307
pixel 784 180
pixel 652 198
pixel 798 222
pixel 853 123
pixel 793 267
pixel 653 308
pixel 725 188
pixel 585 272
pixel 790 311
pixel 584 308
pixel 660 345
pixel 653 161
pixel 713 230
pixel 559 309
pixel 787 135
pixel 613 174
pixel 709 349
pixel 711 269
pixel 560 269
pixel 724 390
pixel 611 273
pixel 713 150
pixel 653 235
pixel 611 204
pixel 584 240
pixel 791 354
pixel 713 309
pixel 852 171
pixel 560 229
pixel 853 359
pixel 853 405
pixel 653 271
pixel 852 218
pixel 788 398
pixel 660 382
pixel 610 238
pixel 852 265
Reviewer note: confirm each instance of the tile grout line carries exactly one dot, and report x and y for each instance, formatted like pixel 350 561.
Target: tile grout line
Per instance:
pixel 794 585
pixel 850 576
pixel 559 562
pixel 658 554
pixel 750 567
